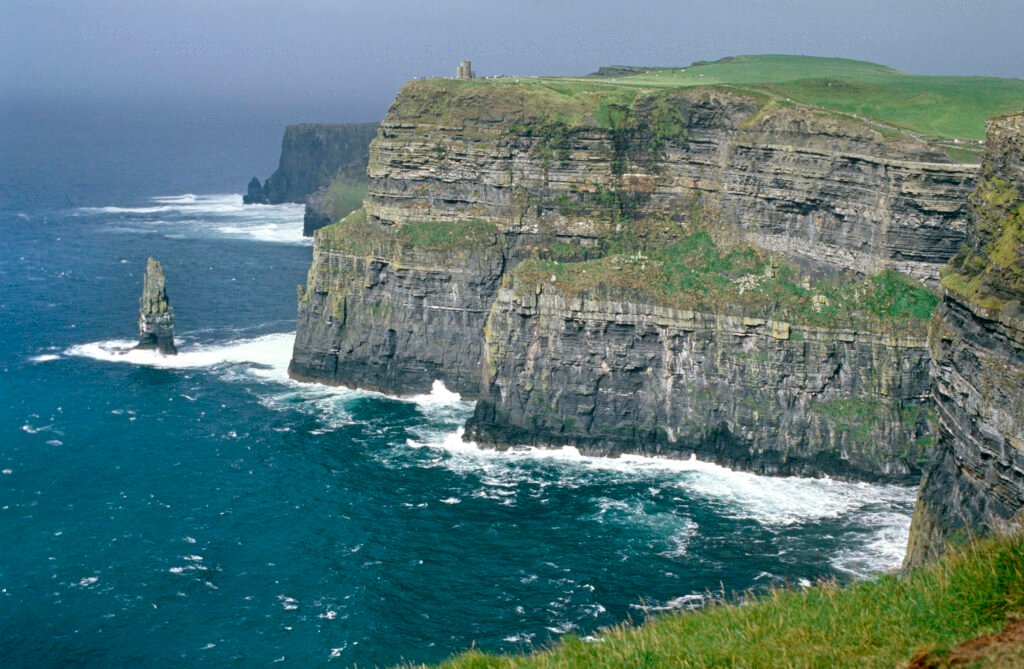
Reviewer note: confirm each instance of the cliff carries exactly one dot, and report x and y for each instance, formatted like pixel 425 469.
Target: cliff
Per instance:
pixel 393 310
pixel 819 187
pixel 703 270
pixel 614 375
pixel 975 481
pixel 322 165
pixel 156 317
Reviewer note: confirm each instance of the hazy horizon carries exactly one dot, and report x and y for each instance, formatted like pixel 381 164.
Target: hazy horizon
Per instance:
pixel 323 61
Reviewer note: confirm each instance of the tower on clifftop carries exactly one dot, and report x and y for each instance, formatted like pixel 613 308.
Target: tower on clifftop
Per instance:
pixel 465 70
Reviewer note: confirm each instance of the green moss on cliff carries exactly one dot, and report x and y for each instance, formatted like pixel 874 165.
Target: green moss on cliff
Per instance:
pixel 447 235
pixel 878 623
pixel 344 196
pixel 695 273
pixel 357 234
pixel 990 270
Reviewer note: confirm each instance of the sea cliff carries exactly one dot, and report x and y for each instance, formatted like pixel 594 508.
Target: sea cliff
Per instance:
pixel 821 188
pixel 975 481
pixel 801 352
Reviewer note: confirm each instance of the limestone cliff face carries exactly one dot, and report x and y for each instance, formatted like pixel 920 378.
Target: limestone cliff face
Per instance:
pixel 975 482
pixel 613 376
pixel 470 179
pixel 381 313
pixel 156 317
pixel 816 186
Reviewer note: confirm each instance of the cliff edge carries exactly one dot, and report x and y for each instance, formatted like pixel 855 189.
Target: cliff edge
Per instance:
pixel 975 481
pixel 701 271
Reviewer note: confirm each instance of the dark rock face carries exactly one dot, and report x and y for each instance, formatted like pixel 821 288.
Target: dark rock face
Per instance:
pixel 312 154
pixel 316 214
pixel 974 484
pixel 156 317
pixel 614 377
pixel 396 321
pixel 255 194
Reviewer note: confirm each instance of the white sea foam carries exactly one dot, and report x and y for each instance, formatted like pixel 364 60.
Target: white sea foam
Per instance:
pixel 46 357
pixel 774 502
pixel 191 215
pixel 271 352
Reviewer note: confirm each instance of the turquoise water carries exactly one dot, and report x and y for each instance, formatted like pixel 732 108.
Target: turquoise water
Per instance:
pixel 205 509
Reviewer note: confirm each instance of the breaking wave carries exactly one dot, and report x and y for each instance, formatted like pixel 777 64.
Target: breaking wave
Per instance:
pixel 223 215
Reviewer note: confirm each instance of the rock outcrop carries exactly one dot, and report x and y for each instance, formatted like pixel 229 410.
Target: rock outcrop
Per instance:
pixel 314 158
pixel 156 317
pixel 387 311
pixel 975 482
pixel 312 155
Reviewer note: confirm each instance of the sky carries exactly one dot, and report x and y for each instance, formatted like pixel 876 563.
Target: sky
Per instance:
pixel 343 61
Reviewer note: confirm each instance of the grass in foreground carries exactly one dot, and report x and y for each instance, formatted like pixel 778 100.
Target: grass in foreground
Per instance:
pixel 879 623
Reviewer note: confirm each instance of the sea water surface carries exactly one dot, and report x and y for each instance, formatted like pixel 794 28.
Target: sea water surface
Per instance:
pixel 206 509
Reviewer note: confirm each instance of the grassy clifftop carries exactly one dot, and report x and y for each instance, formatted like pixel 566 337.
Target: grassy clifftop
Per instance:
pixel 922 620
pixel 935 107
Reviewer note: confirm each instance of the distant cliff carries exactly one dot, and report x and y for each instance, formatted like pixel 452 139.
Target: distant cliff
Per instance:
pixel 321 165
pixel 975 481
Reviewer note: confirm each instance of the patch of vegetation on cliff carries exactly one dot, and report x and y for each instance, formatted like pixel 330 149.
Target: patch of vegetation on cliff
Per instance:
pixel 885 622
pixel 344 196
pixel 357 234
pixel 697 274
pixel 447 235
pixel 989 271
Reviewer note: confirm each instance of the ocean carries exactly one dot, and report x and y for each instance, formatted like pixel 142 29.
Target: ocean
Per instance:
pixel 205 509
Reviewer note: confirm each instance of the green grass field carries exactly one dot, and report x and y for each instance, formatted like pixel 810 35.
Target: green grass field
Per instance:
pixel 933 107
pixel 947 107
pixel 883 622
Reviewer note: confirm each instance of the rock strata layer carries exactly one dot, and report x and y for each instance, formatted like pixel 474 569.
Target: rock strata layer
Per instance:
pixel 156 317
pixel 394 317
pixel 974 483
pixel 821 188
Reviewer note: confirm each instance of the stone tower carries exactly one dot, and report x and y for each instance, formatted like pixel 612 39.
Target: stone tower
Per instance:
pixel 465 70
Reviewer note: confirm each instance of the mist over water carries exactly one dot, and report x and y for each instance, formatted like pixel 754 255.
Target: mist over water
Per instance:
pixel 207 509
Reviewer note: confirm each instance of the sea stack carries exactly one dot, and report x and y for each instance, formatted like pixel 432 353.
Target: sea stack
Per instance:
pixel 156 317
